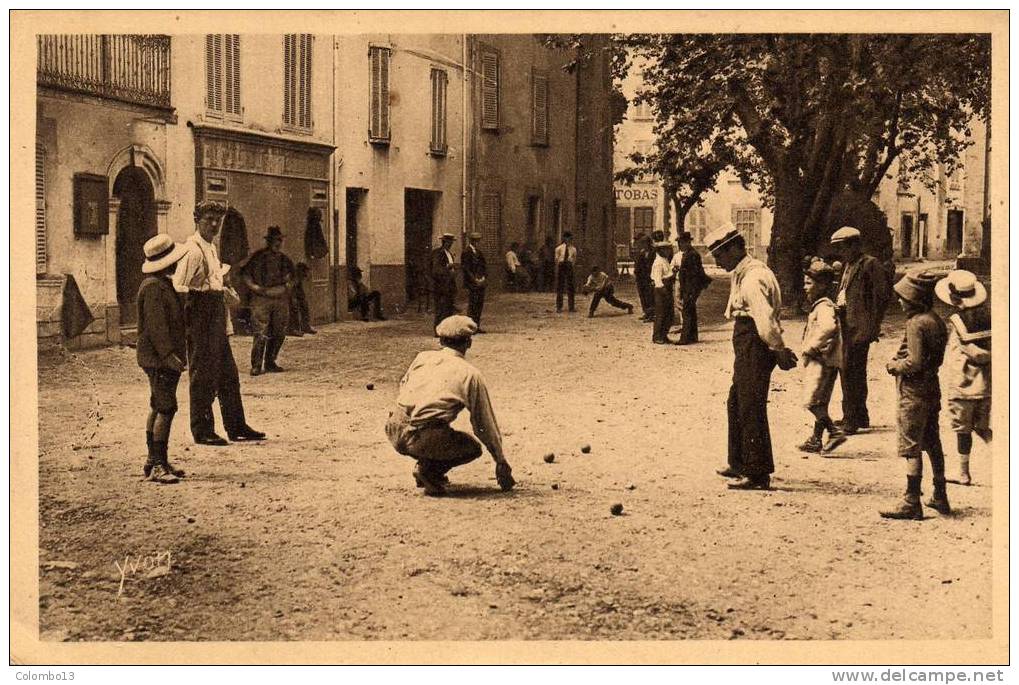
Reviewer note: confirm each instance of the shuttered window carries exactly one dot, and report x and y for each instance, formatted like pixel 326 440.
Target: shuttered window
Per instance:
pixel 539 108
pixel 378 121
pixel 40 208
pixel 297 80
pixel 489 90
pixel 491 225
pixel 223 74
pixel 439 83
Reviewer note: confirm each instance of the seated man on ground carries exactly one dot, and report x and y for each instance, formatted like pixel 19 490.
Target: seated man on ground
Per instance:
pixel 359 297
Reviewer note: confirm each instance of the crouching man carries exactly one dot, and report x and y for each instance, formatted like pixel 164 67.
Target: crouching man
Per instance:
pixel 438 385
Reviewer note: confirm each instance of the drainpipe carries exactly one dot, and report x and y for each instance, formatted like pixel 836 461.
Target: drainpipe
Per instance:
pixel 463 138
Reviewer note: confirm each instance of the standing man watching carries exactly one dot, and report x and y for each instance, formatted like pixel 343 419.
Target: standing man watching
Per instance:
pixel 475 275
pixel 269 275
pixel 443 278
pixel 211 366
pixel 663 281
pixel 565 261
pixel 642 260
pixel 755 302
pixel 862 298
pixel 692 282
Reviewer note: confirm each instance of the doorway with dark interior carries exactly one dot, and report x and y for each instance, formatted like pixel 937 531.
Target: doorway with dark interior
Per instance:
pixel 233 250
pixel 418 225
pixel 136 223
pixel 953 245
pixel 906 234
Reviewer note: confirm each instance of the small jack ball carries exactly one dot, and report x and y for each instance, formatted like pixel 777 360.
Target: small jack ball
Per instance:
pixel 549 458
pixel 370 386
pixel 586 449
pixel 616 509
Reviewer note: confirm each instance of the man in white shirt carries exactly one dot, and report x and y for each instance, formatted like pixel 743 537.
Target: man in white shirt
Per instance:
pixel 662 280
pixel 565 261
pixel 439 385
pixel 755 303
pixel 211 366
pixel 516 275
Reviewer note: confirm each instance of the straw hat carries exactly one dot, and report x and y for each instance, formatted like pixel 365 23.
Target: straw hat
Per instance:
pixel 160 253
pixel 960 288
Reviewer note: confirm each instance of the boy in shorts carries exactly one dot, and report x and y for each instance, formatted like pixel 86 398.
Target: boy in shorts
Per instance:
pixel 822 354
pixel 968 362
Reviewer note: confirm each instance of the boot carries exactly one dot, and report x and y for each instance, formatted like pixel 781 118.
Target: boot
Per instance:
pixel 273 349
pixel 909 508
pixel 258 345
pixel 939 500
pixel 163 460
pixel 150 461
pixel 835 438
pixel 811 444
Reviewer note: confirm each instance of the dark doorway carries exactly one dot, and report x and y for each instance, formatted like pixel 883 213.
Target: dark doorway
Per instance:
pixel 533 217
pixel 418 215
pixel 955 221
pixel 906 231
pixel 233 250
pixel 557 220
pixel 136 223
pixel 354 199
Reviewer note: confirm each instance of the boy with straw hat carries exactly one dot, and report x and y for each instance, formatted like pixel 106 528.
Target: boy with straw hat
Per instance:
pixel 968 361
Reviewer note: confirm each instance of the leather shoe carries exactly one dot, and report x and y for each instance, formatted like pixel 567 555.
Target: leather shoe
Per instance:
pixel 729 473
pixel 752 483
pixel 247 433
pixel 273 368
pixel 210 439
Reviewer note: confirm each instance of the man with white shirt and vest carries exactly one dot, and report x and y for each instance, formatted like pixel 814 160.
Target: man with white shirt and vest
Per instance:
pixel 755 304
pixel 565 261
pixel 663 280
pixel 443 272
pixel 211 366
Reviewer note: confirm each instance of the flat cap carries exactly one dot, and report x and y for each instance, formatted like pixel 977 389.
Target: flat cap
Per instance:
pixel 845 233
pixel 917 286
pixel 475 236
pixel 721 236
pixel 456 327
pixel 448 236
pixel 819 270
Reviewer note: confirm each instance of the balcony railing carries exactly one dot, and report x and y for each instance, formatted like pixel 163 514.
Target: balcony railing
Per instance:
pixel 131 68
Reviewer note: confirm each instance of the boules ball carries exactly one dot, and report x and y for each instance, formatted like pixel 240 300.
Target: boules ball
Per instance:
pixel 616 509
pixel 370 386
pixel 549 458
pixel 586 449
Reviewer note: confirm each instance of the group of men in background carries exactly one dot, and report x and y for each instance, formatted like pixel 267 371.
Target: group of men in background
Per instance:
pixel 669 281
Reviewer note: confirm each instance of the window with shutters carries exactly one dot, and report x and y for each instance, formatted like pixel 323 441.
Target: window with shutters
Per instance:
pixel 378 119
pixel 297 81
pixel 539 108
pixel 40 208
pixel 697 223
pixel 748 222
pixel 491 224
pixel 223 75
pixel 489 90
pixel 439 87
pixel 643 220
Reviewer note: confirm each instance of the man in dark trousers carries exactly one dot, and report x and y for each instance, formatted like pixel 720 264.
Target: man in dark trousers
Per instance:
pixel 565 261
pixel 443 272
pixel 861 301
pixel 360 298
pixel 269 276
pixel 692 282
pixel 211 365
pixel 475 274
pixel 643 258
pixel 755 304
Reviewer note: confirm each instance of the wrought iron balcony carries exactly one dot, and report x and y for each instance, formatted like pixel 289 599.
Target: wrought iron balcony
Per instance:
pixel 130 68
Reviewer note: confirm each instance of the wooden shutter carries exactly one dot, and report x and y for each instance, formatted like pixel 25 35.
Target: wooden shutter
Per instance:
pixel 439 88
pixel 490 90
pixel 289 97
pixel 232 76
pixel 378 123
pixel 304 85
pixel 40 208
pixel 539 108
pixel 491 225
pixel 214 72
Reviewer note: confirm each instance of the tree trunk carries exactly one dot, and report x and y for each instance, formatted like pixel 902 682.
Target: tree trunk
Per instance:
pixel 786 250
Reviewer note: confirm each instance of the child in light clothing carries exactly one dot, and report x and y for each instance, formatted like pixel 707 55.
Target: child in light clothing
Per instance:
pixel 822 354
pixel 600 286
pixel 968 363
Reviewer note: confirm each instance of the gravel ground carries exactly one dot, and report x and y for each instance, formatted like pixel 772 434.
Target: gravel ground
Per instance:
pixel 320 534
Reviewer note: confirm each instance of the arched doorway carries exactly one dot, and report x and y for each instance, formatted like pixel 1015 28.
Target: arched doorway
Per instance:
pixel 136 223
pixel 233 250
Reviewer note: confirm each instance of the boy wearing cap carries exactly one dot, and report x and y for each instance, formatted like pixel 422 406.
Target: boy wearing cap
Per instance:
pixel 822 354
pixel 861 300
pixel 968 361
pixel 755 305
pixel 269 276
pixel 600 286
pixel 475 275
pixel 663 280
pixel 443 271
pixel 161 350
pixel 439 385
pixel 915 367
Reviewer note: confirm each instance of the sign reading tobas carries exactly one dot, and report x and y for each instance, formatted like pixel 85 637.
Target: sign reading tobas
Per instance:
pixel 636 194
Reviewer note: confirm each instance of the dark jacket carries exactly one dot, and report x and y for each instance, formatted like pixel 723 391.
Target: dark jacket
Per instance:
pixel 472 264
pixel 642 267
pixel 867 293
pixel 268 269
pixel 160 324
pixel 692 278
pixel 443 280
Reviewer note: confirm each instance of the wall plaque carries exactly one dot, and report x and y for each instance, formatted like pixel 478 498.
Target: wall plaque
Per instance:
pixel 91 205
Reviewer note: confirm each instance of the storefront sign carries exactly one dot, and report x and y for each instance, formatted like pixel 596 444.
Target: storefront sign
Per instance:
pixel 636 194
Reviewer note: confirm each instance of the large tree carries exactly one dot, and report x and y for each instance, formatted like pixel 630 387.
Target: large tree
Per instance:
pixel 815 122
